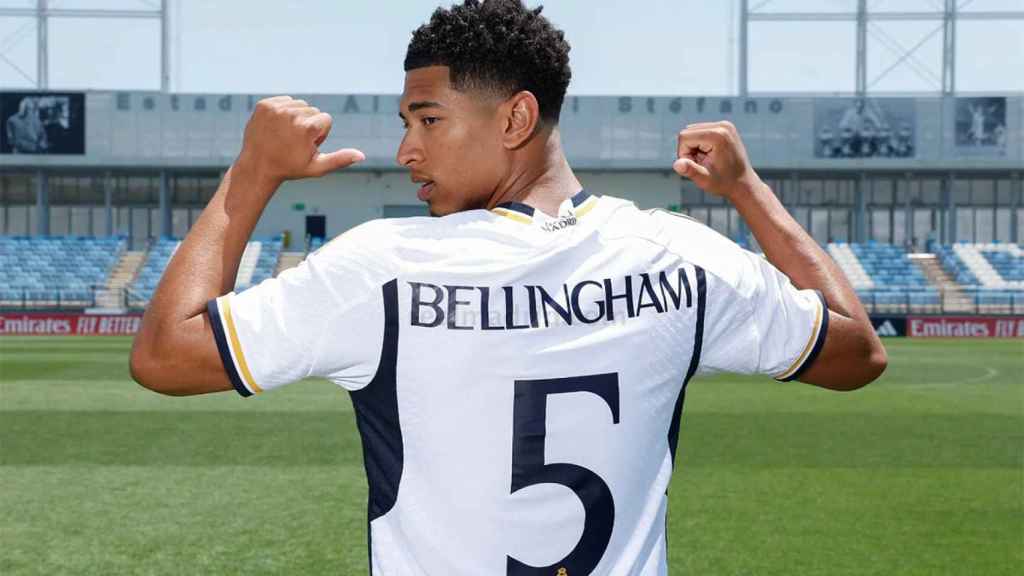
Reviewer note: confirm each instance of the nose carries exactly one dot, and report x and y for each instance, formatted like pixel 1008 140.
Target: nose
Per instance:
pixel 409 151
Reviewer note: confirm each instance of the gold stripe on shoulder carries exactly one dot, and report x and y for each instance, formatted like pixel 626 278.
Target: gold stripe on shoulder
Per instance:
pixel 587 206
pixel 513 215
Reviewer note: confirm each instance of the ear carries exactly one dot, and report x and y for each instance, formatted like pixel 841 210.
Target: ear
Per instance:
pixel 522 117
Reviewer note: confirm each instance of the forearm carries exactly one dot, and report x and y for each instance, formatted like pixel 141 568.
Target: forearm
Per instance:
pixel 206 262
pixel 790 249
pixel 203 267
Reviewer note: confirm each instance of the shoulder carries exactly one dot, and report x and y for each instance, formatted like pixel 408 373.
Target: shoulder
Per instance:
pixel 691 240
pixel 386 243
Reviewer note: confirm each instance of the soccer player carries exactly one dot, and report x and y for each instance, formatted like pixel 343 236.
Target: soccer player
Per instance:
pixel 517 363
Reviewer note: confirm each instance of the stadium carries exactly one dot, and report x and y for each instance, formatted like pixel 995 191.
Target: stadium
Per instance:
pixel 918 197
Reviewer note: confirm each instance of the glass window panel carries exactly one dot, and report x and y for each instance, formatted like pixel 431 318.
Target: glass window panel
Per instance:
pixel 961 191
pixel 17 189
pixel 179 222
pixel 1004 192
pixel 719 219
pixel 99 220
pixel 691 195
pixel 33 220
pixel 931 192
pixel 983 192
pixel 139 223
pixel 122 221
pixel 81 220
pixel 1003 218
pixel 899 228
pixel 59 220
pixel 882 191
pixel 17 220
pixel 880 225
pixel 965 224
pixel 925 226
pixel 154 224
pixel 984 225
pixel 840 226
pixel 698 214
pixel 905 190
pixel 819 225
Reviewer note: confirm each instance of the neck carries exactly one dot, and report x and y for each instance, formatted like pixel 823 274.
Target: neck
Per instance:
pixel 541 177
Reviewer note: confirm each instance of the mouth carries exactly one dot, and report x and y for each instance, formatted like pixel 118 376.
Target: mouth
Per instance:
pixel 426 187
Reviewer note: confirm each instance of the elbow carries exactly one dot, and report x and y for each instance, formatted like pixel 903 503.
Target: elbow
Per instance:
pixel 140 365
pixel 873 362
pixel 145 369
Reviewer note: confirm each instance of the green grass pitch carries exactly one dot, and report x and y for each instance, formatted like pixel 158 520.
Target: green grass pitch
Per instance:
pixel 919 473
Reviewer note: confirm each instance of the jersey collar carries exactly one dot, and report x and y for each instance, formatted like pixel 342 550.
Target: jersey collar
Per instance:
pixel 570 209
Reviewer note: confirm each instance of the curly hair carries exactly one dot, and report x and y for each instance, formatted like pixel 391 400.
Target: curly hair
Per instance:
pixel 497 45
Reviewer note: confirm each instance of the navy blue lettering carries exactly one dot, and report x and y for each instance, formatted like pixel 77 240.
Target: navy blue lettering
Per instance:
pixel 418 302
pixel 453 304
pixel 576 303
pixel 610 297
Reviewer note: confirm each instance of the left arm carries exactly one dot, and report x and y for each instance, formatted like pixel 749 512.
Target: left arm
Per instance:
pixel 712 155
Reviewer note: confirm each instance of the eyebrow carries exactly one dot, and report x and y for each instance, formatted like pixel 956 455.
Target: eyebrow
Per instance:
pixel 420 105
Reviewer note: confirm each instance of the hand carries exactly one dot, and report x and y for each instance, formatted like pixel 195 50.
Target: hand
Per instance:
pixel 713 156
pixel 282 141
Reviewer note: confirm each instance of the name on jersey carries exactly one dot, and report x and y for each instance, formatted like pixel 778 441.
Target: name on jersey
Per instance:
pixel 534 306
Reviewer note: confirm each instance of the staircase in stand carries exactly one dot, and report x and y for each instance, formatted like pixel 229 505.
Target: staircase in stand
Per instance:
pixel 111 297
pixel 953 297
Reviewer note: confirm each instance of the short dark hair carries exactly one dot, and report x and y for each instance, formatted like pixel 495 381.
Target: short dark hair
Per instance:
pixel 496 45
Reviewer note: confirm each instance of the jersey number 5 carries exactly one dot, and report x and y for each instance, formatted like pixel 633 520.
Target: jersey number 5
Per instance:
pixel 529 415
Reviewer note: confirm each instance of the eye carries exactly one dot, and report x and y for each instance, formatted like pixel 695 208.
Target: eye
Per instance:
pixel 428 120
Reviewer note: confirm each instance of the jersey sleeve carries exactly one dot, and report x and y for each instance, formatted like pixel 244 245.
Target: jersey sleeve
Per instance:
pixel 755 320
pixel 323 318
pixel 759 323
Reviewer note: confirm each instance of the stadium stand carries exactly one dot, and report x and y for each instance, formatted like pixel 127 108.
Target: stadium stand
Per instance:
pixel 75 272
pixel 992 274
pixel 258 263
pixel 55 272
pixel 885 277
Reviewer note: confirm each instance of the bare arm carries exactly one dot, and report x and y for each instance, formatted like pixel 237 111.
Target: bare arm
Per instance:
pixel 174 351
pixel 713 156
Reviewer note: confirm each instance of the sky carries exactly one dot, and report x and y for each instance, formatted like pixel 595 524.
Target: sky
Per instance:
pixel 638 47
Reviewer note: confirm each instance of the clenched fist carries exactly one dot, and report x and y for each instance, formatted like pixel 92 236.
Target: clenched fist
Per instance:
pixel 282 140
pixel 712 155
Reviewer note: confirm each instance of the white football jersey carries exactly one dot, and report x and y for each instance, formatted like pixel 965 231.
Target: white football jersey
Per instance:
pixel 518 379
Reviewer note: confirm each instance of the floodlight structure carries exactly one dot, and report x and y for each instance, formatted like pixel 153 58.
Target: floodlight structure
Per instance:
pixel 45 10
pixel 946 14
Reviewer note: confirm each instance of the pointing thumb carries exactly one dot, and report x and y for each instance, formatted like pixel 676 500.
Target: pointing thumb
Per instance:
pixel 324 163
pixel 689 169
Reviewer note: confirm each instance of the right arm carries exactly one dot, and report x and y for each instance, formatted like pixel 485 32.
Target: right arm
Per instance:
pixel 175 351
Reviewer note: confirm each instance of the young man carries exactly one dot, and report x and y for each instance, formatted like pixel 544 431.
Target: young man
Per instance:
pixel 518 364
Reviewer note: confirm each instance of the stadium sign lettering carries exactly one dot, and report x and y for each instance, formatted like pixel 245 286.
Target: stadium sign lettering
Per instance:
pixel 586 302
pixel 966 327
pixel 29 325
pixel 352 104
pixel 59 324
pixel 701 105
